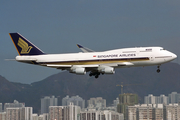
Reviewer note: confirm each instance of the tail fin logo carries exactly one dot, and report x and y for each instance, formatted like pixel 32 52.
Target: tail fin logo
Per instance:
pixel 25 47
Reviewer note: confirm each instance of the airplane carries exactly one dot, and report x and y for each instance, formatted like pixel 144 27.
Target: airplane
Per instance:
pixel 90 61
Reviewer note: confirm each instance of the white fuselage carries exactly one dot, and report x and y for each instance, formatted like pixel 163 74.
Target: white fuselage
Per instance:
pixel 127 57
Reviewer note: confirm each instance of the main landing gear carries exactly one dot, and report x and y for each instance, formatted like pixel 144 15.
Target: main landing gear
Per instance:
pixel 158 70
pixel 96 74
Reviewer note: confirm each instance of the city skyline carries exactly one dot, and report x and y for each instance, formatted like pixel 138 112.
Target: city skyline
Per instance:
pixel 137 111
pixel 174 98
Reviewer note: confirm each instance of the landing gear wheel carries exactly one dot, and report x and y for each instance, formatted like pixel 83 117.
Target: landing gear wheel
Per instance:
pixel 90 74
pixel 158 70
pixel 96 76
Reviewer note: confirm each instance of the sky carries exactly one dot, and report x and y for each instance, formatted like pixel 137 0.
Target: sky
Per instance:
pixel 57 26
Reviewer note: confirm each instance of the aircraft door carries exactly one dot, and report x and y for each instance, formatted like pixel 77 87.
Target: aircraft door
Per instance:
pixel 137 51
pixel 152 58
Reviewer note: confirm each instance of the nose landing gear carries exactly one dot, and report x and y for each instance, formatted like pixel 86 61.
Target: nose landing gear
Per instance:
pixel 158 70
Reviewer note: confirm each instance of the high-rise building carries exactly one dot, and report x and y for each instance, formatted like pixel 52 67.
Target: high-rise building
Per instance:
pixel 153 112
pixel 163 100
pixel 158 112
pixel 1 107
pixel 44 116
pixel 145 112
pixel 98 102
pixel 131 113
pixel 46 102
pixel 26 113
pixel 35 116
pixel 2 115
pixel 101 115
pixel 64 100
pixel 12 114
pixel 174 97
pixel 126 100
pixel 16 104
pixel 116 102
pixel 76 100
pixel 171 112
pixel 70 112
pixel 150 99
pixel 23 113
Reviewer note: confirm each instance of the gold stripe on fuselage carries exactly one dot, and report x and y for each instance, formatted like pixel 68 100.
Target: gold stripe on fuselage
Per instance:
pixel 91 62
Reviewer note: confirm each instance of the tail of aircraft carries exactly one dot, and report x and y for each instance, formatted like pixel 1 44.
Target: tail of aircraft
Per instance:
pixel 23 46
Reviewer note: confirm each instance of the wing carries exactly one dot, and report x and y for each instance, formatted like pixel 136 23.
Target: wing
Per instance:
pixel 84 49
pixel 90 67
pixel 95 70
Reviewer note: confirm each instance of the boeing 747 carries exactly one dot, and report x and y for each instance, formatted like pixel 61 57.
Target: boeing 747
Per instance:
pixel 90 61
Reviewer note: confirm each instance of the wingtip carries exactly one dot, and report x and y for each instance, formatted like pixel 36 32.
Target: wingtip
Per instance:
pixel 79 46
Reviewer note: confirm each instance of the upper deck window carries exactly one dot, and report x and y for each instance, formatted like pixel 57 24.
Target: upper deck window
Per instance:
pixel 162 49
pixel 129 51
pixel 147 50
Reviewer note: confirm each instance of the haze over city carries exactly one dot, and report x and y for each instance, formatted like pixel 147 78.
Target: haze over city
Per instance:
pixel 56 27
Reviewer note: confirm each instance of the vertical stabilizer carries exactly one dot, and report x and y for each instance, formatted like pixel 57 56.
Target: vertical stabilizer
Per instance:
pixel 23 46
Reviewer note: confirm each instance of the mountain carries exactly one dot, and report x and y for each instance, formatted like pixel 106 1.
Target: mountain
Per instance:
pixel 141 80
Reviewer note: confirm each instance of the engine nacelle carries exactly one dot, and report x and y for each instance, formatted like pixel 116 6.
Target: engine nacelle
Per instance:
pixel 78 71
pixel 107 70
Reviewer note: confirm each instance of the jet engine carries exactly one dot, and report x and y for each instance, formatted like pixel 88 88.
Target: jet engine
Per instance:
pixel 78 71
pixel 106 70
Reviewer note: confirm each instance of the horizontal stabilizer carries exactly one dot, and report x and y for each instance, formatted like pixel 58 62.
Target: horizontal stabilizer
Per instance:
pixel 10 59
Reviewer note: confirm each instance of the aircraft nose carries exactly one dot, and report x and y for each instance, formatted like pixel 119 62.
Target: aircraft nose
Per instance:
pixel 174 56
